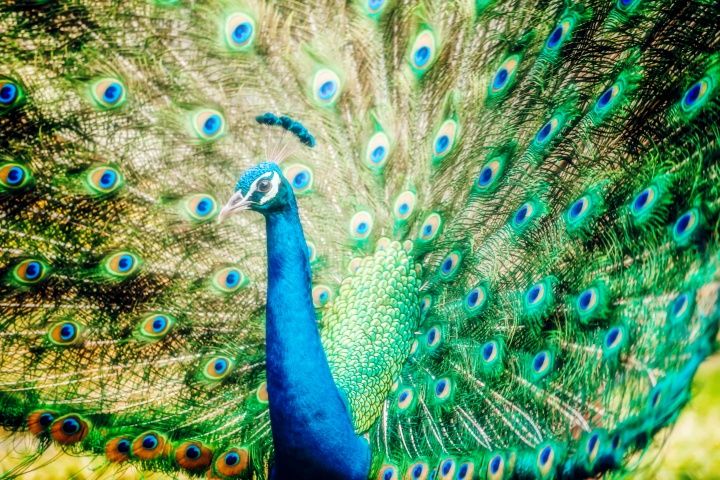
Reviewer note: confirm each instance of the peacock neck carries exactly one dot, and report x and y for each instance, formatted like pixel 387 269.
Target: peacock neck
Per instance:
pixel 312 430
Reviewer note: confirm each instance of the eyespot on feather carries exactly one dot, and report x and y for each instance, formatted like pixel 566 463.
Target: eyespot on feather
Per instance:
pixel 229 280
pixel 377 151
pixel 417 471
pixel 14 176
pixel 120 265
pixel 361 225
pixel 155 326
pixel 193 456
pixel 431 228
pixel 326 87
pixel 321 295
pixel 12 94
pixel 117 450
pixel 388 472
pixel 207 124
pixel 39 421
pixel 233 462
pixel 65 333
pixel 423 51
pixel 103 180
pixel 30 271
pixel 150 446
pixel 108 93
pixel 300 178
pixel 217 368
pixel 69 429
pixel 200 207
pixel 239 31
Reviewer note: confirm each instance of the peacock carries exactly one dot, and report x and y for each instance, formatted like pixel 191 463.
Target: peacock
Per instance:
pixel 344 239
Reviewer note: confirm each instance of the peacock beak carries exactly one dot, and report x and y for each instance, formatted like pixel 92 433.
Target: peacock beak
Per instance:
pixel 237 203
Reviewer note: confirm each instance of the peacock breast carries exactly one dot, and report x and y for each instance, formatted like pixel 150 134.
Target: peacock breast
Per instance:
pixel 368 328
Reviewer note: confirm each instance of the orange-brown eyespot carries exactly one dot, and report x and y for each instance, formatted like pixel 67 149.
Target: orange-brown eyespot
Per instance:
pixel 193 456
pixel 150 445
pixel 233 462
pixel 39 421
pixel 69 429
pixel 118 449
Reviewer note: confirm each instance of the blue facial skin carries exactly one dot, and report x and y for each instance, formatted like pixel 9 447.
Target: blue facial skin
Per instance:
pixel 312 429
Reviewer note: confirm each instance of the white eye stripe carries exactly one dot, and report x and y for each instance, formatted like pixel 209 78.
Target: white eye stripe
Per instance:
pixel 274 188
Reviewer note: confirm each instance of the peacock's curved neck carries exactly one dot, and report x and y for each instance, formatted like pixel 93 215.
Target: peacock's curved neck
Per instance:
pixel 312 430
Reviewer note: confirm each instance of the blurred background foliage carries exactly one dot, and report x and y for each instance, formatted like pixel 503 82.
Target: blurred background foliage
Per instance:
pixel 690 451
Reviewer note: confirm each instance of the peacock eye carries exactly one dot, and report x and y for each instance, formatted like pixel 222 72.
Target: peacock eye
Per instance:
pixel 263 186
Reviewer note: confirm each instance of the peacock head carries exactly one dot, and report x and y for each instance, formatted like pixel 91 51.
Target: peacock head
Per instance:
pixel 262 188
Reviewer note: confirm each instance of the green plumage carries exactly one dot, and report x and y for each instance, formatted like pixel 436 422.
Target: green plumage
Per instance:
pixel 511 212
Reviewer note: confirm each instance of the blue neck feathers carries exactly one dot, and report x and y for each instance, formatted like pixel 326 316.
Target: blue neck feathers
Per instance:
pixel 312 430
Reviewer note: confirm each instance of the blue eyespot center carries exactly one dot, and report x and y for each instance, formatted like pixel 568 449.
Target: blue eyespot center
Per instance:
pixel 15 175
pixel 232 279
pixel 422 55
pixel 642 199
pixel 70 426
pixel 612 337
pixel 220 366
pixel 327 90
pixel 150 442
pixel 159 323
pixel 605 97
pixel 8 93
pixel 679 303
pixel 447 265
pixel 403 396
pixel 113 92
pixel 33 270
pixel 585 299
pixel 212 124
pixel 107 179
pixel 442 143
pixel 495 464
pixel 378 154
pixel 46 419
pixel 539 361
pixel 446 467
pixel 125 263
pixel 232 459
pixel 67 331
pixel 362 227
pixel 388 473
pixel 440 387
pixel 521 214
pixel 488 351
pixel 417 471
pixel 534 293
pixel 500 78
pixel 242 32
pixel 577 207
pixel 463 471
pixel 693 94
pixel 123 446
pixel 682 223
pixel 473 297
pixel 485 176
pixel 592 442
pixel 427 230
pixel 431 336
pixel 555 37
pixel 300 179
pixel 192 452
pixel 545 455
pixel 544 132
